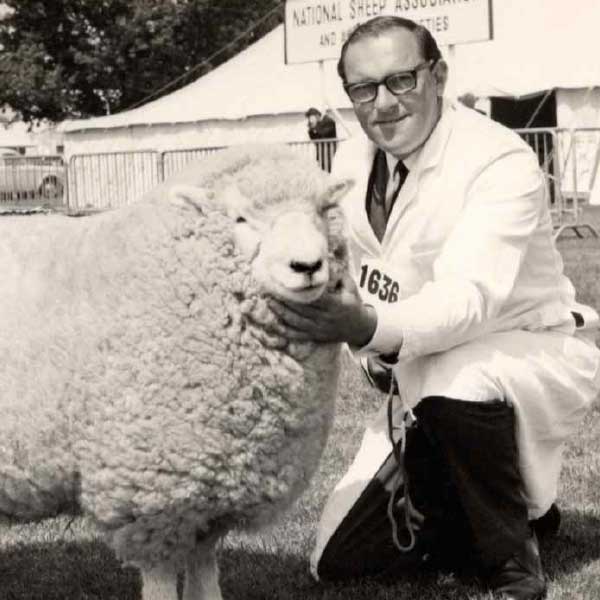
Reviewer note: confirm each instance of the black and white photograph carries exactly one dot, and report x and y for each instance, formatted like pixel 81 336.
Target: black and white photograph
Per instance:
pixel 299 300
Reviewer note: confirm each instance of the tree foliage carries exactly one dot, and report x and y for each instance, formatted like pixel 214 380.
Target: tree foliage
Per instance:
pixel 79 58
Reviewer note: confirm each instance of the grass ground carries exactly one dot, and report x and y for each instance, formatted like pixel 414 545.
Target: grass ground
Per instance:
pixel 62 560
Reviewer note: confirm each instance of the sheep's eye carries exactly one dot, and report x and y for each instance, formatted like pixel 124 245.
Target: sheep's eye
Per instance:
pixel 240 220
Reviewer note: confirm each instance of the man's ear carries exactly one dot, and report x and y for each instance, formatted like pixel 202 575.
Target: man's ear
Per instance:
pixel 188 196
pixel 440 72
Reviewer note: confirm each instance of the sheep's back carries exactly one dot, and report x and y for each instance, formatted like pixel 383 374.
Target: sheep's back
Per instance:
pixel 91 320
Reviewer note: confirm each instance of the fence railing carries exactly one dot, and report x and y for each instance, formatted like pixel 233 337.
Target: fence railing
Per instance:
pixel 32 180
pixel 322 150
pixel 111 179
pixel 172 161
pixel 569 159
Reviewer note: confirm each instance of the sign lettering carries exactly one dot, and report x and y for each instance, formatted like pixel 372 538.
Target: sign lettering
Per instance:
pixel 315 30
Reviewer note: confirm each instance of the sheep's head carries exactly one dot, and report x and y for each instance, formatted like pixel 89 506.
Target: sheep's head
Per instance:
pixel 286 223
pixel 294 245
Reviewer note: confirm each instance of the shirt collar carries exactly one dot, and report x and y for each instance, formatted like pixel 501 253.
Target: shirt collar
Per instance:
pixel 392 161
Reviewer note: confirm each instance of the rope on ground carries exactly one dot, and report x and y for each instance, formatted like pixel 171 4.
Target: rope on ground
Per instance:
pixel 401 477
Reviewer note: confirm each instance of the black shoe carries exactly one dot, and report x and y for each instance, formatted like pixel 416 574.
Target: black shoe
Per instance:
pixel 521 577
pixel 548 524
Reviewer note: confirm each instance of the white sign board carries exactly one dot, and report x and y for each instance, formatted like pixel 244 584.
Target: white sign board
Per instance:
pixel 316 30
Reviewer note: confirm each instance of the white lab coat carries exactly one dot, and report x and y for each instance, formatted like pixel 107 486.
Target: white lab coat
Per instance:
pixel 467 276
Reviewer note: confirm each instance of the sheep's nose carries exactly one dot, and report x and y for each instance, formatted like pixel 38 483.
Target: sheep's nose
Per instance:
pixel 306 267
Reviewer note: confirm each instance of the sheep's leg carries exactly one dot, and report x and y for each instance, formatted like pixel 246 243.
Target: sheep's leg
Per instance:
pixel 202 575
pixel 159 584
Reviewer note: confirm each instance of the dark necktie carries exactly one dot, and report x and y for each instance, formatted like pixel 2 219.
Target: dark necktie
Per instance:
pixel 378 211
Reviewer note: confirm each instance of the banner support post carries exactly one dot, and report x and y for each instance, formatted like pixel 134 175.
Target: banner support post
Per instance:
pixel 329 104
pixel 450 90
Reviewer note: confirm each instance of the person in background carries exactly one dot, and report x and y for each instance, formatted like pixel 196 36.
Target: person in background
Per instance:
pixel 322 127
pixel 460 306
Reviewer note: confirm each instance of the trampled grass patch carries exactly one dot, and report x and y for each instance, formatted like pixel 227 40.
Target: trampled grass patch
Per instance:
pixel 62 560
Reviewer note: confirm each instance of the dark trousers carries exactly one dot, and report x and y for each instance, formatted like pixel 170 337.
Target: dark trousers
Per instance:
pixel 462 475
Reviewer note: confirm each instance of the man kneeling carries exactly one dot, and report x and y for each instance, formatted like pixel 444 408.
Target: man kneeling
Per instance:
pixel 459 292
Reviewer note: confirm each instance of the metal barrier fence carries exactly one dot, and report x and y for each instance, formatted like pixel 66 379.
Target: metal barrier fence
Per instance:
pixel 173 161
pixel 111 179
pixel 544 142
pixel 322 150
pixel 569 159
pixel 27 181
pixel 579 152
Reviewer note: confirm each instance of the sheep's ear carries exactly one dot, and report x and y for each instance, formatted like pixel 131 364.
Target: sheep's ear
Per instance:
pixel 233 199
pixel 188 196
pixel 334 193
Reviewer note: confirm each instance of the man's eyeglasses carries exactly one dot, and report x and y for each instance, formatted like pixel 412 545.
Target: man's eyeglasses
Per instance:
pixel 397 83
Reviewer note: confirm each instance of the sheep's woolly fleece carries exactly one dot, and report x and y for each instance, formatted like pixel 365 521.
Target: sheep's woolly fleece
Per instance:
pixel 136 384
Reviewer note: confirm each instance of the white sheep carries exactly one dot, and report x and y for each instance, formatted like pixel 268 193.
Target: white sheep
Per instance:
pixel 139 383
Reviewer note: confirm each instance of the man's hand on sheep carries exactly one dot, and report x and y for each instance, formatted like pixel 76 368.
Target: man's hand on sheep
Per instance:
pixel 339 316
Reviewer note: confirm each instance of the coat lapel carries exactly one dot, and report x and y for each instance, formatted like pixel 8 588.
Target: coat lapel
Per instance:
pixel 356 162
pixel 428 157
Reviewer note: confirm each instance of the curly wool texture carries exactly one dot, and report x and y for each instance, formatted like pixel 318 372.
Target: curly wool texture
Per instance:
pixel 140 385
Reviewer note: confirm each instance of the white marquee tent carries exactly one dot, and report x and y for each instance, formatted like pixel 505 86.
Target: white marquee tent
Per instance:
pixel 537 45
pixel 254 96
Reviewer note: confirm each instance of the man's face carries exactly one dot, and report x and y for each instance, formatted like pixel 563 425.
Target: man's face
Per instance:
pixel 312 120
pixel 397 124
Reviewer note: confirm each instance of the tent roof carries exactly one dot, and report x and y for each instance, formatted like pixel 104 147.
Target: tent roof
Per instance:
pixel 254 82
pixel 537 45
pixel 15 135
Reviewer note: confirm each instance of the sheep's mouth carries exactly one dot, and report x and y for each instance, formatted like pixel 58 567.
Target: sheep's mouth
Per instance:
pixel 310 286
pixel 304 294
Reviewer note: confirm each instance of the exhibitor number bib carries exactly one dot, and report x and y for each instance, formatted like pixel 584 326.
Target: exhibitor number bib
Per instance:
pixel 380 282
pixel 377 283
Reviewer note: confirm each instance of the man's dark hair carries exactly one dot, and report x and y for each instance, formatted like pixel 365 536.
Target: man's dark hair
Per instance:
pixel 380 25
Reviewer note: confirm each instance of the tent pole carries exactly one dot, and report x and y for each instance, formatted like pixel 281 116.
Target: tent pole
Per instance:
pixel 451 59
pixel 594 198
pixel 538 108
pixel 329 104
